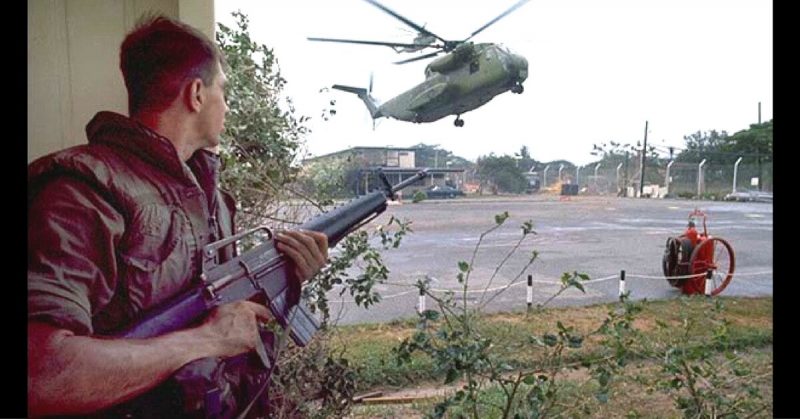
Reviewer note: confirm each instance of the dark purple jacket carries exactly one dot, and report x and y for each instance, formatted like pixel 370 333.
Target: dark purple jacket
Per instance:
pixel 117 226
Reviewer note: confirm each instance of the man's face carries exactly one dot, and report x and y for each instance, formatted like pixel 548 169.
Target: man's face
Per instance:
pixel 214 110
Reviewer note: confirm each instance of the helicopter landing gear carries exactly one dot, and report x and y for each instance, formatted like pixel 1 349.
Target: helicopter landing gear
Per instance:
pixel 517 88
pixel 458 122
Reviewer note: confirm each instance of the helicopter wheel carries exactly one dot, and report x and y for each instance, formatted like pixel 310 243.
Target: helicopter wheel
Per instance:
pixel 458 122
pixel 517 88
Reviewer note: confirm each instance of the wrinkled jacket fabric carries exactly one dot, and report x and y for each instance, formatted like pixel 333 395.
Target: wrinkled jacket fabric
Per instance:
pixel 117 226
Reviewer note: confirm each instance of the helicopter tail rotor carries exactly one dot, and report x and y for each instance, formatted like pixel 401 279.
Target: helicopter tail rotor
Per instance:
pixel 364 95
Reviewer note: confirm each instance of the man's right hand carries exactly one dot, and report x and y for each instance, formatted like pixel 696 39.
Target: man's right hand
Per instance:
pixel 233 327
pixel 70 374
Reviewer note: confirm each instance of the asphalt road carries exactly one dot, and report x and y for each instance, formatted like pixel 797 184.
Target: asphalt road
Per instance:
pixel 598 236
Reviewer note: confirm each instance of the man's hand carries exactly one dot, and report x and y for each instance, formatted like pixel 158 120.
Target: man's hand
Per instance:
pixel 234 327
pixel 307 249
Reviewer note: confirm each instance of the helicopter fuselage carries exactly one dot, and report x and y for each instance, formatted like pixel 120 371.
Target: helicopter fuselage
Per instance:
pixel 466 77
pixel 459 82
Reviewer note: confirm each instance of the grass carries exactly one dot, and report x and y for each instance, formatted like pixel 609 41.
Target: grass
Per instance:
pixel 369 349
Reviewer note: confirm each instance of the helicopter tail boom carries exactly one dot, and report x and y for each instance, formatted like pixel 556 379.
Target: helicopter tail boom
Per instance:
pixel 364 95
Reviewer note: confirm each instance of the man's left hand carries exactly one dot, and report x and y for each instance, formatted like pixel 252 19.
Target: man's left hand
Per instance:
pixel 308 250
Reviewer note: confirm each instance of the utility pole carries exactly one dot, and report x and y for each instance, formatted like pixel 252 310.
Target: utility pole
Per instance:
pixel 759 113
pixel 758 150
pixel 758 162
pixel 625 178
pixel 644 159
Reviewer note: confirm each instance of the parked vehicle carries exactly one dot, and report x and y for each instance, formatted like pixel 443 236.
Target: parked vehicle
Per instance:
pixel 752 196
pixel 443 191
pixel 534 184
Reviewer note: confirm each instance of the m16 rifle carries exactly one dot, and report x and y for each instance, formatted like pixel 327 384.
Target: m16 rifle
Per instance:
pixel 262 270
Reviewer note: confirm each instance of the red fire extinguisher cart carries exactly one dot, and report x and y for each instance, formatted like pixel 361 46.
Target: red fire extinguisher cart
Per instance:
pixel 696 262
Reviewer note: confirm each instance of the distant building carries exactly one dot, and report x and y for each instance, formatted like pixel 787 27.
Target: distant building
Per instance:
pixel 397 163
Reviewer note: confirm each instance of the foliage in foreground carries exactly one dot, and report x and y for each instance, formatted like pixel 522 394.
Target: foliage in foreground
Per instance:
pixel 490 386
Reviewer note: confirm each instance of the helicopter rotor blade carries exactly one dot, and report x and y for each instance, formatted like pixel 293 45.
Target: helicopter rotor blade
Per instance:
pixel 421 57
pixel 502 15
pixel 354 41
pixel 404 20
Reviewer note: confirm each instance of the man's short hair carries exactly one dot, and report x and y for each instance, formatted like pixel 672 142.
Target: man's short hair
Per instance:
pixel 158 56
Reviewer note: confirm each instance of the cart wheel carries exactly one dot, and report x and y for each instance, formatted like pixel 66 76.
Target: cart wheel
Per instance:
pixel 669 262
pixel 716 255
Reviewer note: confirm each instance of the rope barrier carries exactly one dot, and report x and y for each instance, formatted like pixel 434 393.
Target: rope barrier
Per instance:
pixel 733 275
pixel 622 276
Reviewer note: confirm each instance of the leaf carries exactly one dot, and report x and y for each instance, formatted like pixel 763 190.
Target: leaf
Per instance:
pixel 452 375
pixel 550 339
pixel 463 266
pixel 501 218
pixel 602 397
pixel 432 315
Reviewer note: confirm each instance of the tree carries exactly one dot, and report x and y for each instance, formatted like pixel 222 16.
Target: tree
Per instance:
pixel 261 140
pixel 433 156
pixel 612 152
pixel 752 143
pixel 526 163
pixel 501 174
pixel 329 179
pixel 260 146
pixel 704 145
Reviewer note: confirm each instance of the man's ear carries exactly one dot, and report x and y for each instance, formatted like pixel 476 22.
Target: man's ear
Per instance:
pixel 194 95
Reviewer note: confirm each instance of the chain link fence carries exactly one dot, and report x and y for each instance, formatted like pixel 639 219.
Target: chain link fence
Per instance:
pixel 679 179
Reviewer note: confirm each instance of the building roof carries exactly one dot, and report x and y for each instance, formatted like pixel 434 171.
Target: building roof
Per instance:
pixel 356 149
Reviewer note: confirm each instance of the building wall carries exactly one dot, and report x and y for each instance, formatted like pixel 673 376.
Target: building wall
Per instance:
pixel 73 62
pixel 407 159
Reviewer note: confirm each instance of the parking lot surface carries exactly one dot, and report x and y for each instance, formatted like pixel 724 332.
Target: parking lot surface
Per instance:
pixel 598 236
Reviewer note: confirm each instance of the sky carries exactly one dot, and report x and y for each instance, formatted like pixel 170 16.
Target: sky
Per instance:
pixel 599 70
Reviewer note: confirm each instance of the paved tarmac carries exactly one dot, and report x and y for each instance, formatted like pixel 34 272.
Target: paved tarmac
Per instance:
pixel 598 236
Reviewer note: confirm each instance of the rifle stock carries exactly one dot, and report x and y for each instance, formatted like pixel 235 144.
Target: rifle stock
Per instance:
pixel 262 270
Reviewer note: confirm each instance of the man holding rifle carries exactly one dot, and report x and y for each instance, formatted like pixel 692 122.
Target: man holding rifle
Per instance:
pixel 117 227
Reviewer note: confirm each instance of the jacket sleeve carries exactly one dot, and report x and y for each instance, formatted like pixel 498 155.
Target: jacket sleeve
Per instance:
pixel 72 267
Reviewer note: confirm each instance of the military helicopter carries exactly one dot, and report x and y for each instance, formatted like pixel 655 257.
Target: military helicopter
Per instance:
pixel 468 76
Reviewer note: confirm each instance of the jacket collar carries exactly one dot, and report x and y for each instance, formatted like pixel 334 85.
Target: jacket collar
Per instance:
pixel 120 131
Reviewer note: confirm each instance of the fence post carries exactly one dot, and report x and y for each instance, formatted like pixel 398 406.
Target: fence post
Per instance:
pixel 544 177
pixel 700 180
pixel 421 306
pixel 595 177
pixel 667 177
pixel 621 283
pixel 708 286
pixel 530 291
pixel 619 188
pixel 735 171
